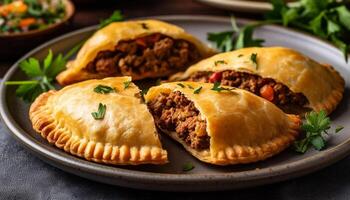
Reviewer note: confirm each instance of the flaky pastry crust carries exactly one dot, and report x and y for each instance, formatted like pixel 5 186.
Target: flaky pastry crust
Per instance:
pixel 321 84
pixel 243 127
pixel 126 135
pixel 106 39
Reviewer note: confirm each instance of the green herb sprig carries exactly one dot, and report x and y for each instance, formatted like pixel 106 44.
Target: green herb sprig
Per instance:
pixel 327 19
pixel 236 38
pixel 101 111
pixel 126 84
pixel 315 127
pixel 187 167
pixel 197 90
pixel 104 89
pixel 42 75
pixel 115 17
pixel 216 87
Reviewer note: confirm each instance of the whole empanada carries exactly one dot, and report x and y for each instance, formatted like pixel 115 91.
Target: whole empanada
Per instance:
pixel 285 77
pixel 140 49
pixel 124 134
pixel 220 125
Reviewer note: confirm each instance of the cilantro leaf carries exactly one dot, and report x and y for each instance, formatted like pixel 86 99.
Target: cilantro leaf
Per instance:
pixel 216 87
pixel 104 89
pixel 48 60
pixel 339 128
pixel 187 167
pixel 115 17
pixel 253 58
pixel 181 85
pixel 344 16
pixel 223 40
pixel 189 86
pixel 235 39
pixel 316 126
pixel 126 84
pixel 31 67
pixel 327 19
pixel 197 90
pixel 100 114
pixel 41 76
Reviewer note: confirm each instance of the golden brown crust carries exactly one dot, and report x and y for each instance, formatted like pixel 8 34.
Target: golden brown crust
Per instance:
pixel 97 143
pixel 243 128
pixel 106 39
pixel 321 84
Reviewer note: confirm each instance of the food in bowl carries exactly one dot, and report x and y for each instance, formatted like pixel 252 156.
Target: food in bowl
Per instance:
pixel 19 16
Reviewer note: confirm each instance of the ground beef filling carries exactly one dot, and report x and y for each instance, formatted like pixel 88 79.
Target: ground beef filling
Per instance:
pixel 174 112
pixel 267 88
pixel 154 53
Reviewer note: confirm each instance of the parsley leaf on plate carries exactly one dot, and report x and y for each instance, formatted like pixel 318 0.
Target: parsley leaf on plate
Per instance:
pixel 315 127
pixel 327 19
pixel 235 38
pixel 42 75
pixel 187 167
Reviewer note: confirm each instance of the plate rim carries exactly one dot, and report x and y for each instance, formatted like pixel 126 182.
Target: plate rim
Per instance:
pixel 253 177
pixel 241 5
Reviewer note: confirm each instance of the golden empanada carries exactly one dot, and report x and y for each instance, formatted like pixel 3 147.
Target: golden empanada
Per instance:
pixel 221 125
pixel 140 49
pixel 100 120
pixel 285 77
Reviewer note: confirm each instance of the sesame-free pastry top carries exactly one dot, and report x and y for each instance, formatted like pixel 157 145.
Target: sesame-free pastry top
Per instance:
pixel 104 121
pixel 292 81
pixel 221 125
pixel 140 49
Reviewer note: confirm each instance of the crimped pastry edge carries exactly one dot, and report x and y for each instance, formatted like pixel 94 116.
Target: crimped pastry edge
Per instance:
pixel 54 133
pixel 246 154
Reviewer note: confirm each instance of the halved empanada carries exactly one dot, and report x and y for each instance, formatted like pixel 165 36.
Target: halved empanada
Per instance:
pixel 100 120
pixel 283 76
pixel 227 127
pixel 141 49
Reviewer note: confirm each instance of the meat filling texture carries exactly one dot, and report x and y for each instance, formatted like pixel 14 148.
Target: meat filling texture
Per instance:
pixel 267 88
pixel 154 53
pixel 174 112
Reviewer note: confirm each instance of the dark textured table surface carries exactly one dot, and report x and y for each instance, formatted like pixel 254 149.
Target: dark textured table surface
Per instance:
pixel 23 176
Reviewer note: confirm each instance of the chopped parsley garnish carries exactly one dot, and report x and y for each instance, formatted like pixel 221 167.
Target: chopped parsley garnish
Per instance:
pixel 218 88
pixel 339 128
pixel 104 89
pixel 41 75
pixel 126 84
pixel 253 58
pixel 100 114
pixel 159 81
pixel 115 17
pixel 144 26
pixel 189 86
pixel 315 127
pixel 187 167
pixel 197 90
pixel 217 62
pixel 181 85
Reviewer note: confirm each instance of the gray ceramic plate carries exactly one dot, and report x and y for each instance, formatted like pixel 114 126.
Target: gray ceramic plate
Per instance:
pixel 170 176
